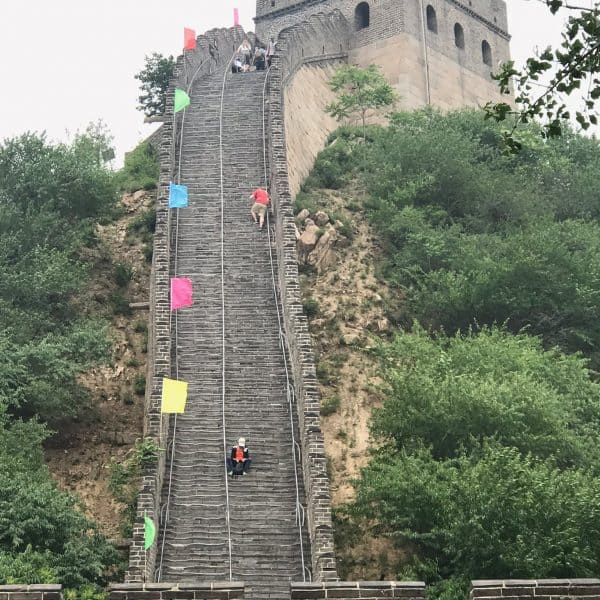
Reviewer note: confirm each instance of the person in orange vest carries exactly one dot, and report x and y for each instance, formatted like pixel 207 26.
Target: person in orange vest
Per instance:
pixel 260 198
pixel 239 458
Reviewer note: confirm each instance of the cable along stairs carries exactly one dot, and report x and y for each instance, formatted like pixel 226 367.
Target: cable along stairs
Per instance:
pixel 212 527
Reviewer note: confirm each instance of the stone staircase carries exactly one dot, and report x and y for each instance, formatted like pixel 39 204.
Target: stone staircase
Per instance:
pixel 265 537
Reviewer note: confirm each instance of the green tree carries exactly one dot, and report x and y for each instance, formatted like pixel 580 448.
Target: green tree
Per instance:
pixel 359 91
pixel 571 68
pixel 154 82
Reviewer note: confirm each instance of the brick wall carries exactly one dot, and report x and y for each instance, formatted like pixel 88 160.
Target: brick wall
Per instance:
pixel 345 590
pixel 31 592
pixel 545 589
pixel 331 31
pixel 219 590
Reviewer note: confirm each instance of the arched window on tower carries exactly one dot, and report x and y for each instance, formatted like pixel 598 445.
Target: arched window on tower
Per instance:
pixel 459 36
pixel 361 16
pixel 431 18
pixel 486 53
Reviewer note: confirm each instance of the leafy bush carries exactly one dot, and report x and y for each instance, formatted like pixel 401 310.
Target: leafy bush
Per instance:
pixel 139 385
pixel 123 274
pixel 140 169
pixel 310 307
pixel 492 515
pixel 330 405
pixel 453 395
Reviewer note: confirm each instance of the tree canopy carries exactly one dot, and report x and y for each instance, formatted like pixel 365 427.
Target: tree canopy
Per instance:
pixel 154 82
pixel 51 198
pixel 555 74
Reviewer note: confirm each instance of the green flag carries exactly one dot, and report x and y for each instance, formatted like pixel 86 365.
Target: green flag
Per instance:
pixel 149 532
pixel 181 100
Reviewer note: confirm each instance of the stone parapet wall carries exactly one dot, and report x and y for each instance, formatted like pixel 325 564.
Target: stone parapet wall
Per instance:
pixel 214 49
pixel 31 592
pixel 216 590
pixel 324 34
pixel 546 589
pixel 346 590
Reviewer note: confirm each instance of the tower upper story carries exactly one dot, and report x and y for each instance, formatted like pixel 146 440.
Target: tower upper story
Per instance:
pixel 376 20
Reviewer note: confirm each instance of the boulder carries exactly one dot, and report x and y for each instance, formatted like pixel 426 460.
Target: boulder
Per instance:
pixel 303 215
pixel 323 255
pixel 308 240
pixel 139 195
pixel 321 218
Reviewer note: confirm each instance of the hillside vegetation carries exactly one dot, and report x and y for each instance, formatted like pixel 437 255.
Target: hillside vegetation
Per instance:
pixel 483 395
pixel 54 319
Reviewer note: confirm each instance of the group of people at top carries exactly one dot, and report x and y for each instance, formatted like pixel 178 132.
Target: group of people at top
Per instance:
pixel 247 58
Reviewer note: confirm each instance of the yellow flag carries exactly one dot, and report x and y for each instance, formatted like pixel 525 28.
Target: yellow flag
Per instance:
pixel 174 396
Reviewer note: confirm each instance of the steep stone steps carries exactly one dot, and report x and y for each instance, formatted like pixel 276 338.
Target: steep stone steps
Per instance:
pixel 266 541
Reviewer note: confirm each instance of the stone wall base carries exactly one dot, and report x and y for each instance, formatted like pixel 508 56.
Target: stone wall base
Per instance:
pixel 212 590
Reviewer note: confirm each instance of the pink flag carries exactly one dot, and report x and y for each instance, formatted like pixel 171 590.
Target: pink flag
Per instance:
pixel 236 17
pixel 181 292
pixel 189 39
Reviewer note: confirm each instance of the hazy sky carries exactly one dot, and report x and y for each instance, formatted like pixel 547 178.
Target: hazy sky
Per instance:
pixel 66 63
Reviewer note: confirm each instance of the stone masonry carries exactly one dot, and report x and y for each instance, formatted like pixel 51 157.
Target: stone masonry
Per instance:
pixel 545 589
pixel 424 59
pixel 31 592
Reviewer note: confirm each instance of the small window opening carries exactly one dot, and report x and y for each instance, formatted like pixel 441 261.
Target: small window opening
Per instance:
pixel 361 16
pixel 431 18
pixel 459 36
pixel 486 53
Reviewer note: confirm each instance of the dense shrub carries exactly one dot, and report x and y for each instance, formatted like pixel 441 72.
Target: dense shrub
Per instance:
pixel 51 198
pixel 140 169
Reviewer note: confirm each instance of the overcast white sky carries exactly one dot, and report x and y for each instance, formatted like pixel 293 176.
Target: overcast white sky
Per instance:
pixel 66 63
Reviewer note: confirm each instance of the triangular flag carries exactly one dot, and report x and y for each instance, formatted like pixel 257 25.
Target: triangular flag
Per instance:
pixel 149 532
pixel 236 17
pixel 181 100
pixel 181 292
pixel 178 196
pixel 174 396
pixel 189 39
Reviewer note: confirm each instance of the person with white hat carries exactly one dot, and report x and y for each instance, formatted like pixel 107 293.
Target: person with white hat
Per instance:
pixel 239 460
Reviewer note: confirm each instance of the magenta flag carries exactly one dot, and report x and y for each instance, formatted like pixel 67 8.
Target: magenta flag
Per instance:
pixel 181 292
pixel 236 17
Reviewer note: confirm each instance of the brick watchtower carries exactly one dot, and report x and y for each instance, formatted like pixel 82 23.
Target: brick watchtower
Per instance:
pixel 438 52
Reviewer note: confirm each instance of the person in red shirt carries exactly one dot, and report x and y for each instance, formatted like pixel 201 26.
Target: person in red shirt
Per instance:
pixel 239 460
pixel 260 198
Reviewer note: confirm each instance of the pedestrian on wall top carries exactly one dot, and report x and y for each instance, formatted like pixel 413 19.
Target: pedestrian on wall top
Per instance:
pixel 245 50
pixel 260 199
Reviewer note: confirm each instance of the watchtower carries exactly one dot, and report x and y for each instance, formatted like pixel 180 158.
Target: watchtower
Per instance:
pixel 438 52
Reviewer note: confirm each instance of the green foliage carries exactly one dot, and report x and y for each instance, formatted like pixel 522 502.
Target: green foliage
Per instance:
pixel 567 71
pixel 154 82
pixel 140 170
pixel 125 476
pixel 473 237
pixel 123 274
pixel 485 462
pixel 455 395
pixel 359 90
pixel 139 385
pixel 65 181
pixel 51 198
pixel 311 307
pixel 330 405
pixel 498 514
